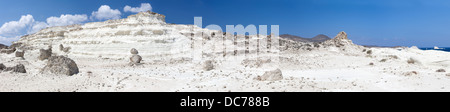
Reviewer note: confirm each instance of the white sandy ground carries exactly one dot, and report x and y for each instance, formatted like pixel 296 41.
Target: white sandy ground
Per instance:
pixel 101 51
pixel 307 71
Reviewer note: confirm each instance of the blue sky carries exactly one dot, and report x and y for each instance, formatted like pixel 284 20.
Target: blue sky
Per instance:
pixel 423 23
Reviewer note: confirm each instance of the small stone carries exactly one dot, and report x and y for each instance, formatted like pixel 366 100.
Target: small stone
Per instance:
pixel 134 51
pixel 413 61
pixel 44 54
pixel 61 47
pixel 440 70
pixel 135 59
pixel 410 73
pixel 66 49
pixel 158 32
pixel 20 54
pixel 2 66
pixel 274 75
pixel 369 52
pixel 208 65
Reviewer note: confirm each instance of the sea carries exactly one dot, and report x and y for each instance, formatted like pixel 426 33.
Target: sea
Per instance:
pixel 447 49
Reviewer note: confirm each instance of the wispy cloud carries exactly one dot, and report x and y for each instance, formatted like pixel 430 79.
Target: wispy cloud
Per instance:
pixel 67 19
pixel 142 8
pixel 7 41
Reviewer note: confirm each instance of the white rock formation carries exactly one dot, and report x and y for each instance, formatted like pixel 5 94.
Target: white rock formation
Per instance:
pixel 174 56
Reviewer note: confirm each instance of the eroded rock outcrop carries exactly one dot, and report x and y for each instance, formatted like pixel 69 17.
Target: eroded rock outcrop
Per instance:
pixel 20 54
pixel 274 75
pixel 3 46
pixel 2 67
pixel 19 68
pixel 8 51
pixel 340 40
pixel 208 65
pixel 440 70
pixel 61 65
pixel 61 47
pixel 44 54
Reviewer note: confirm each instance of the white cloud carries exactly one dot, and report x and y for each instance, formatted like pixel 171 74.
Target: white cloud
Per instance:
pixel 27 25
pixel 67 19
pixel 144 7
pixel 105 12
pixel 13 30
pixel 37 26
pixel 7 41
pixel 15 27
pixel 63 20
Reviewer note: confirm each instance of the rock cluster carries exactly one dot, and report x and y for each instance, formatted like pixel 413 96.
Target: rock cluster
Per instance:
pixel 135 58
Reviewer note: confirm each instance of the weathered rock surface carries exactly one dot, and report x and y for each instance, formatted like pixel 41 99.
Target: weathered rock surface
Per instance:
pixel 3 46
pixel 8 51
pixel 208 65
pixel 18 69
pixel 440 70
pixel 274 75
pixel 134 51
pixel 61 65
pixel 44 54
pixel 20 54
pixel 135 59
pixel 2 67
